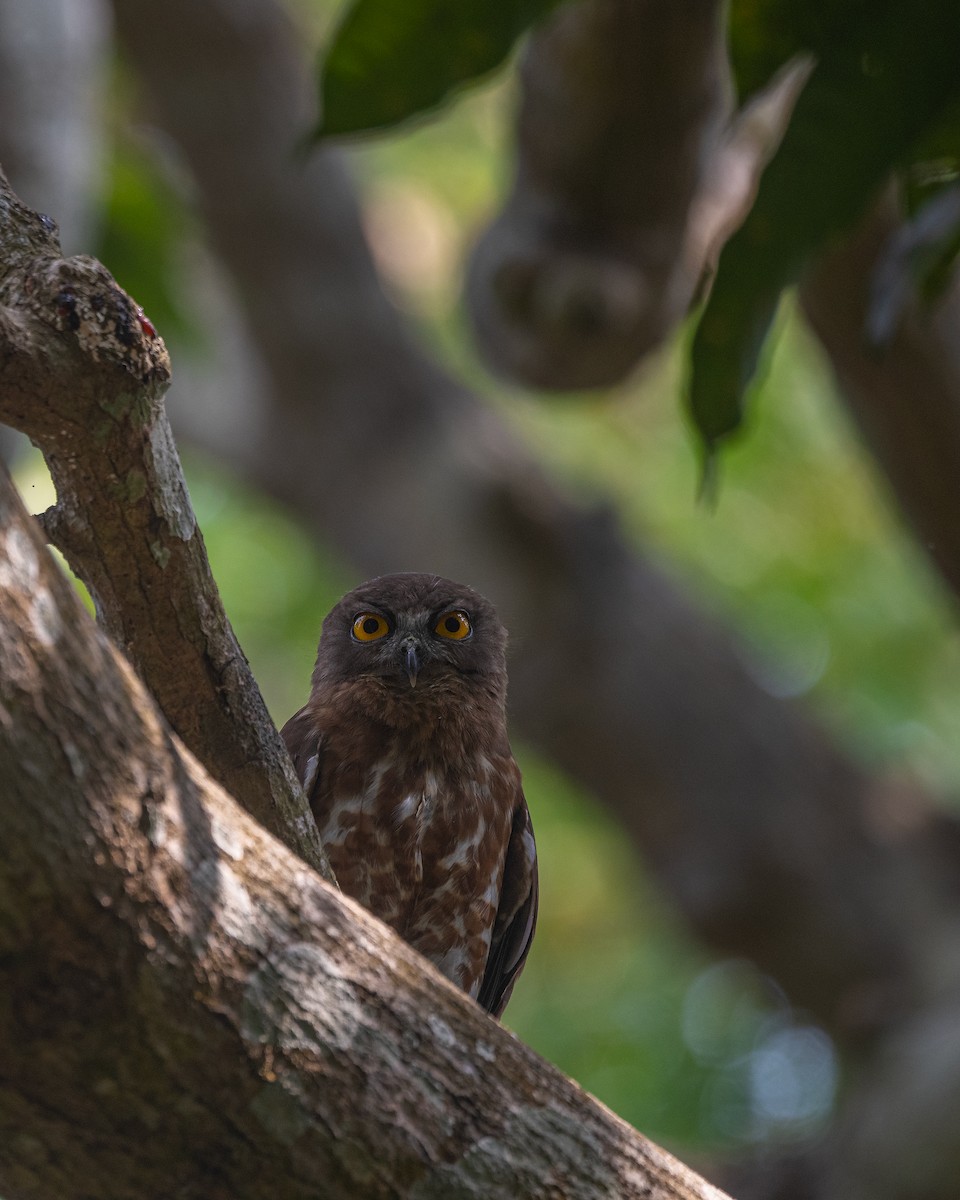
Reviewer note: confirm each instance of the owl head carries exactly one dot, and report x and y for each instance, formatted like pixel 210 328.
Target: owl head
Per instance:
pixel 413 632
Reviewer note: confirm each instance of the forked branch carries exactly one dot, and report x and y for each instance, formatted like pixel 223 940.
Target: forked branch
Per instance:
pixel 82 373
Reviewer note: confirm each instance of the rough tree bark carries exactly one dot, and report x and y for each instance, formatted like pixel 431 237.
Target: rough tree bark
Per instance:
pixel 82 372
pixel 190 1011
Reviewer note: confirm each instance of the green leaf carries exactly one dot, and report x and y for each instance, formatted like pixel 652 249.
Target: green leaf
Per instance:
pixel 884 78
pixel 395 59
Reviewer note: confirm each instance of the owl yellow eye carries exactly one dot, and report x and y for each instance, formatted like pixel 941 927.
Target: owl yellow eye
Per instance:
pixel 453 625
pixel 367 627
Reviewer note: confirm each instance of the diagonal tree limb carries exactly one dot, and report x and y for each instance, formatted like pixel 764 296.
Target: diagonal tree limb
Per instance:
pixel 195 1013
pixel 82 373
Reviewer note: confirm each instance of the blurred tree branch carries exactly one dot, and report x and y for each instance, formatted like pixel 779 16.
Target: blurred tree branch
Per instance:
pixel 52 74
pixel 631 171
pixel 905 395
pixel 53 56
pixel 624 104
pixel 195 1013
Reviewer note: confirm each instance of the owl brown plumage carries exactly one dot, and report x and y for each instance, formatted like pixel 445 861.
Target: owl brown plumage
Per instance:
pixel 402 750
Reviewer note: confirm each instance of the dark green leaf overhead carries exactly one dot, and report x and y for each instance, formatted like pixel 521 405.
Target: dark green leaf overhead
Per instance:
pixel 886 75
pixel 395 59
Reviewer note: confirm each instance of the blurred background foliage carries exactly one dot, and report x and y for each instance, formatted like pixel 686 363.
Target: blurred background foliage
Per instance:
pixel 802 555
pixel 883 96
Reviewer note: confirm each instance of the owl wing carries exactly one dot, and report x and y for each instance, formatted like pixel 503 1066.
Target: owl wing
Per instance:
pixel 305 746
pixel 516 915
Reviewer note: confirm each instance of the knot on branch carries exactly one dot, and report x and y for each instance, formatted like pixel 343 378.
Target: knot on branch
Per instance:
pixel 67 329
pixel 65 527
pixel 79 296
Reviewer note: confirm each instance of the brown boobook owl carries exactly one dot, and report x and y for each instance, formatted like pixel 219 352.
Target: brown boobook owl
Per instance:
pixel 402 751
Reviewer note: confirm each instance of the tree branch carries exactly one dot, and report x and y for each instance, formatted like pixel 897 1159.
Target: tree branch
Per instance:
pixel 82 373
pixel 53 67
pixel 904 396
pixel 630 176
pixel 584 270
pixel 195 1012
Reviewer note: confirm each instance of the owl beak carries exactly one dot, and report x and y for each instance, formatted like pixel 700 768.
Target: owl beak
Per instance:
pixel 411 659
